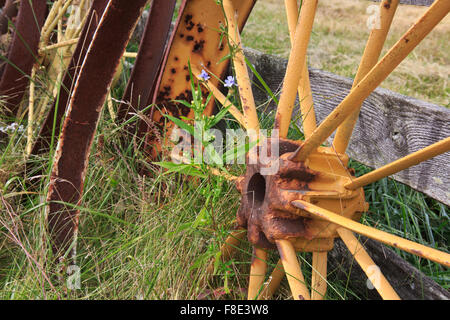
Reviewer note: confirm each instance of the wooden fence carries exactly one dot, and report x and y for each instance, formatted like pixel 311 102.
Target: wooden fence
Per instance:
pixel 390 126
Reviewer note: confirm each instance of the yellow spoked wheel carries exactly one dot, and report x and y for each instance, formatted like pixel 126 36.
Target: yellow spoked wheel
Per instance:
pixel 312 198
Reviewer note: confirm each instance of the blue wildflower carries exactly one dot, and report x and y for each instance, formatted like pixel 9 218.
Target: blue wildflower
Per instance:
pixel 204 75
pixel 229 82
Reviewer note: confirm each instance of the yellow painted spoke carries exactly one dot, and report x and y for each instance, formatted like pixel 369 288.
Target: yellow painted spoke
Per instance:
pixel 293 271
pixel 240 67
pixel 31 112
pixel 229 247
pixel 59 45
pixel 373 233
pixel 319 275
pixel 258 272
pixel 47 29
pixel 374 274
pixel 274 281
pixel 296 64
pixel 373 79
pixel 401 164
pixel 304 89
pixel 370 58
pixel 130 54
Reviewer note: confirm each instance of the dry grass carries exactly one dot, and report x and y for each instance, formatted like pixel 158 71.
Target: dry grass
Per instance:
pixel 338 41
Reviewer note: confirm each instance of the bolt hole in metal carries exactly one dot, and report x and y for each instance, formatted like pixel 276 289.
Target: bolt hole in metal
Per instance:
pixel 256 190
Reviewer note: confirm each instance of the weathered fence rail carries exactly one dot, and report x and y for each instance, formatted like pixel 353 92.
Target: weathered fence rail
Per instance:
pixel 391 125
pixel 408 281
pixel 426 3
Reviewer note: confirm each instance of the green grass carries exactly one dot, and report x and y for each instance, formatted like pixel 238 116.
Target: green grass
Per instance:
pixel 339 37
pixel 153 236
pixel 136 235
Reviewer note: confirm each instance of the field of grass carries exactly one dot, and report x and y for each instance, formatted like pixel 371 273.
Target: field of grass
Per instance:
pixel 153 236
pixel 339 36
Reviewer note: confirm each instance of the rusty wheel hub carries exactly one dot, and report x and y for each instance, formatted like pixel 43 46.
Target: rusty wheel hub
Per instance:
pixel 266 210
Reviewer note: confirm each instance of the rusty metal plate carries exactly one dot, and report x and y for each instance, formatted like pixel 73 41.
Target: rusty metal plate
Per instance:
pixel 23 53
pixel 9 11
pixel 148 61
pixel 85 106
pixel 197 40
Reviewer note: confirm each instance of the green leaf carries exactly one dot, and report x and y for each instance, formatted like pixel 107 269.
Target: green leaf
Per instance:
pixel 219 116
pixel 183 102
pixel 184 168
pixel 217 261
pixel 183 125
pixel 226 57
pixel 213 156
pixel 181 228
pixel 264 84
pixel 241 149
pixel 201 219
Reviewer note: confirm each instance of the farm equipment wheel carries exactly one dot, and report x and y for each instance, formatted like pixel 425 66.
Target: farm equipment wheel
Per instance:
pixel 311 198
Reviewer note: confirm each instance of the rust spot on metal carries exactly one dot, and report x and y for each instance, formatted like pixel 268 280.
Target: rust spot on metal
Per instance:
pixel 189 23
pixel 198 46
pixel 352 171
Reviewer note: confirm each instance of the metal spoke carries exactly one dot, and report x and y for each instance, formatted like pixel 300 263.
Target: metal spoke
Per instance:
pixel 228 249
pixel 373 233
pixel 378 280
pixel 304 88
pixel 319 275
pixel 373 79
pixel 258 272
pixel 370 58
pixel 294 71
pixel 401 164
pixel 242 77
pixel 293 271
pixel 273 282
pixel 233 241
